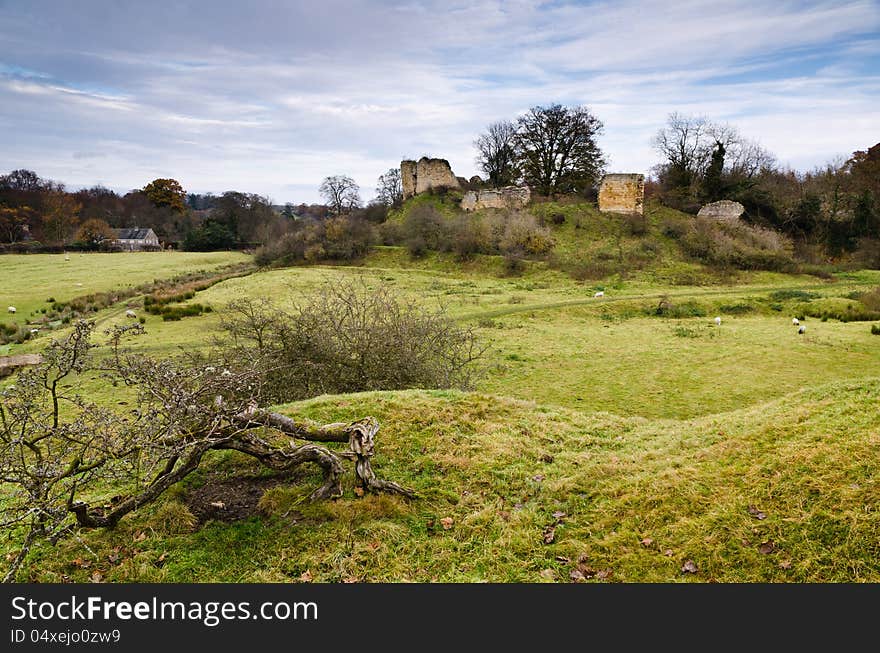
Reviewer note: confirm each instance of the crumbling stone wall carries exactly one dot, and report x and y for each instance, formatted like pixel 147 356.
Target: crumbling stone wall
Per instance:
pixel 726 210
pixel 508 197
pixel 622 193
pixel 425 174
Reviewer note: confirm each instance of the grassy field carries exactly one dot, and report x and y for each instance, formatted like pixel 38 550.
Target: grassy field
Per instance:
pixel 603 442
pixel 30 280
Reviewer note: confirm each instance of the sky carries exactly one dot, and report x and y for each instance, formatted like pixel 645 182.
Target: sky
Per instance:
pixel 270 97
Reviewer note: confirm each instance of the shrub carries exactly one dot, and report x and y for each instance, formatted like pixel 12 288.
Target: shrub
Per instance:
pixel 350 338
pixel 424 228
pixel 736 245
pixel 341 238
pixel 875 329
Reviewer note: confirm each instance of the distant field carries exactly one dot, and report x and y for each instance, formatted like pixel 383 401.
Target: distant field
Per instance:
pixel 27 281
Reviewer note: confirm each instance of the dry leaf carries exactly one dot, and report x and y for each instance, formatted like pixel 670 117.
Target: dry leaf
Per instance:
pixel 767 547
pixel 669 553
pixel 218 504
pixel 447 523
pixel 546 458
pixel 563 559
pixel 647 541
pixel 96 577
pixel 359 491
pixel 140 537
pixel 549 534
pixel 558 515
pixel 785 564
pixel 576 576
pixel 586 570
pixel 757 514
pixel 537 478
pixel 351 579
pixel 548 574
pixel 604 574
pixel 689 567
pixel 374 545
pixel 504 515
pixel 306 576
pixel 113 558
pixel 163 557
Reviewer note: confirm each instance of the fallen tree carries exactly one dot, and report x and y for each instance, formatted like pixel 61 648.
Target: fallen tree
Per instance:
pixel 67 463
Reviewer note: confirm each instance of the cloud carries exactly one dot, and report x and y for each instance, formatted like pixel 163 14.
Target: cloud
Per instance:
pixel 271 97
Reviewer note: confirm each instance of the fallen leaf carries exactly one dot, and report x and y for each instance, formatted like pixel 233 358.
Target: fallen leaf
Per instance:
pixel 359 491
pixel 558 515
pixel 586 570
pixel 518 506
pixel 605 573
pixel 140 537
pixel 564 559
pixel 767 547
pixel 576 576
pixel 306 576
pixel 549 534
pixel 113 558
pixel 757 514
pixel 504 515
pixel 163 557
pixel 689 567
pixel 447 523
pixel 547 458
pixel 669 553
pixel 351 579
pixel 218 504
pixel 785 564
pixel 647 541
pixel 548 574
pixel 537 478
pixel 96 577
pixel 374 545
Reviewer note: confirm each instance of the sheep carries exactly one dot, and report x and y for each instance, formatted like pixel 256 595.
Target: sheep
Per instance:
pixel 130 313
pixel 795 321
pixel 802 329
pixel 10 309
pixel 600 293
pixel 717 321
pixel 66 256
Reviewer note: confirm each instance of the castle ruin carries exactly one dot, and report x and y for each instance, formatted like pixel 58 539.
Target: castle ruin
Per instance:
pixel 622 193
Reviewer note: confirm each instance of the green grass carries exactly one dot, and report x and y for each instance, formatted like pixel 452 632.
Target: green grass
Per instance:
pixel 654 434
pixel 640 497
pixel 29 280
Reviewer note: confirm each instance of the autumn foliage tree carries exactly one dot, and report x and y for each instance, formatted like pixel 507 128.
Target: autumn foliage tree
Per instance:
pixel 94 232
pixel 166 192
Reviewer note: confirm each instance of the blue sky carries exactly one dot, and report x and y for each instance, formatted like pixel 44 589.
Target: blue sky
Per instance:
pixel 270 97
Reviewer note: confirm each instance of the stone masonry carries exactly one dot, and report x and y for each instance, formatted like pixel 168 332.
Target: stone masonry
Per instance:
pixel 622 193
pixel 508 197
pixel 726 210
pixel 425 174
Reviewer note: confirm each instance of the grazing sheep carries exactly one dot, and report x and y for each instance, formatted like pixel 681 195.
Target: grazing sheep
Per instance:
pixel 130 313
pixel 66 257
pixel 11 309
pixel 795 321
pixel 717 321
pixel 802 329
pixel 35 330
pixel 601 293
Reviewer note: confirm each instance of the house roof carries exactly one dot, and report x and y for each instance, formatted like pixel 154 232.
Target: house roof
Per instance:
pixel 132 233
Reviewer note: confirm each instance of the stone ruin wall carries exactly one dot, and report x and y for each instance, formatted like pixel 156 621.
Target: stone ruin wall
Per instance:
pixel 423 175
pixel 724 210
pixel 622 193
pixel 508 197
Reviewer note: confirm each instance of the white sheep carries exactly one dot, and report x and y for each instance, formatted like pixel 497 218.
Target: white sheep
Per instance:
pixel 35 330
pixel 717 321
pixel 600 293
pixel 130 313
pixel 10 309
pixel 795 321
pixel 802 329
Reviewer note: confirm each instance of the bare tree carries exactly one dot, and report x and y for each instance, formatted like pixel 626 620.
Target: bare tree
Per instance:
pixel 389 189
pixel 66 463
pixel 497 155
pixel 557 149
pixel 341 193
pixel 686 145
